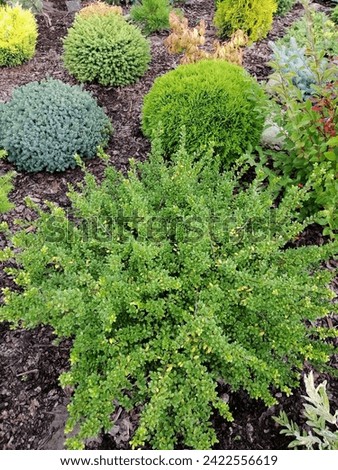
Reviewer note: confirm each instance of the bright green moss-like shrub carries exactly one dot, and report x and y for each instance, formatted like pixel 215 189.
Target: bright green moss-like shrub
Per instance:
pixel 106 49
pixel 45 124
pixel 214 100
pixel 18 35
pixel 151 15
pixel 172 279
pixel 253 17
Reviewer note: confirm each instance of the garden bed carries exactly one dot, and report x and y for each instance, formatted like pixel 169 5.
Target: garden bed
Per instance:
pixel 32 404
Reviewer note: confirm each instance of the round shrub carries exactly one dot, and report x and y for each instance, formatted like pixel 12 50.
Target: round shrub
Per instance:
pixel 214 100
pixel 253 17
pixel 18 35
pixel 47 123
pixel 107 49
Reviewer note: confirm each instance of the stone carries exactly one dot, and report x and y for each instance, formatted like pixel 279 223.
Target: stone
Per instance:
pixel 271 136
pixel 73 5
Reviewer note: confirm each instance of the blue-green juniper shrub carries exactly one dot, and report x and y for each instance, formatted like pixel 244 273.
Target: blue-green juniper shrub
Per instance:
pixel 47 123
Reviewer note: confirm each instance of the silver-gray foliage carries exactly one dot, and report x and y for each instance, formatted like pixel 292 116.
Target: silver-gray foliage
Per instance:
pixel 292 59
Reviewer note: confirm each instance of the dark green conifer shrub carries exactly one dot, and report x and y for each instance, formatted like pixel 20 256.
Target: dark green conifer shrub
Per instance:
pixel 253 17
pixel 106 49
pixel 214 100
pixel 45 124
pixel 151 15
pixel 171 279
pixel 283 6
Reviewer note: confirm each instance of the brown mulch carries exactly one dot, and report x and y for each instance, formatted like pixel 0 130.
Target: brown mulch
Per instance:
pixel 32 404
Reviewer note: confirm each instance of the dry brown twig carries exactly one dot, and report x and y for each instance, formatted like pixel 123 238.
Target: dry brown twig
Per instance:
pixel 190 42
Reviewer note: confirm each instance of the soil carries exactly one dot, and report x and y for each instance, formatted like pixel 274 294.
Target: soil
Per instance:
pixel 32 404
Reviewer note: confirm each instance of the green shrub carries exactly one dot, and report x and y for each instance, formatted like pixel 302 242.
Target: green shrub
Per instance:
pixel 171 279
pixel 152 15
pixel 334 15
pixel 253 17
pixel 5 187
pixel 320 420
pixel 18 35
pixel 46 124
pixel 325 33
pixel 310 129
pixel 310 147
pixel 100 8
pixel 283 6
pixel 214 100
pixel 106 49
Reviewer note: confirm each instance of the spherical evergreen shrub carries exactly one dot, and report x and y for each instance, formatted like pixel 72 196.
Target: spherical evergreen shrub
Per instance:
pixel 214 100
pixel 18 35
pixel 253 17
pixel 46 124
pixel 107 49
